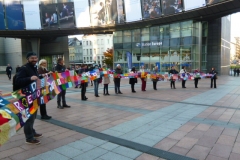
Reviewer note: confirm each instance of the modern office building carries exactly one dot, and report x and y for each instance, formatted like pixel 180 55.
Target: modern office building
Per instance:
pixel 193 44
pixel 94 47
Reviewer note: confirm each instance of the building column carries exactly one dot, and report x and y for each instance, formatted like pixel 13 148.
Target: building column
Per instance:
pixel 35 44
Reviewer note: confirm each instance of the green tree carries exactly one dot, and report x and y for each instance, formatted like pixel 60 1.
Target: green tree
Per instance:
pixel 108 58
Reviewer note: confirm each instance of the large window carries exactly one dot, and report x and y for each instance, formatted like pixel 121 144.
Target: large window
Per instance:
pixel 145 34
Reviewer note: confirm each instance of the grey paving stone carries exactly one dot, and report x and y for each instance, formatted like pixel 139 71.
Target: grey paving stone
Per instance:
pixel 113 156
pixel 52 155
pixel 152 137
pixel 122 129
pixel 92 154
pixel 93 141
pixel 131 135
pixel 82 146
pixel 109 146
pixel 35 158
pixel 144 141
pixel 112 132
pixel 68 151
pixel 127 152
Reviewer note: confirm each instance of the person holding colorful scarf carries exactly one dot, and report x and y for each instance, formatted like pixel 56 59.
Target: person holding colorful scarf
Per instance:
pixel 117 79
pixel 143 79
pixel 155 80
pixel 196 77
pixel 214 77
pixel 133 80
pixel 183 75
pixel 106 81
pixel 172 80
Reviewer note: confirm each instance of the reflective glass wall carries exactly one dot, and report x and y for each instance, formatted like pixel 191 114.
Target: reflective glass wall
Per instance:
pixel 177 44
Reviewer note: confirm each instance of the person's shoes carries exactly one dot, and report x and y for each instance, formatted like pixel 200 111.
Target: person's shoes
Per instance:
pixel 46 117
pixel 155 89
pixel 108 94
pixel 119 92
pixel 66 106
pixel 196 87
pixel 60 107
pixel 76 87
pixel 84 99
pixel 174 88
pixel 116 93
pixel 97 96
pixel 143 90
pixel 33 141
pixel 37 135
pixel 104 94
pixel 133 91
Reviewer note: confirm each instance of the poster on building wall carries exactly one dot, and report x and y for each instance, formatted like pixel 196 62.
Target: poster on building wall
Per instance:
pixel 106 12
pixel 81 9
pixel 32 14
pixel 190 4
pixel 171 6
pixel 49 16
pixel 133 10
pixel 14 15
pixel 151 8
pixel 2 23
pixel 66 15
pixel 209 2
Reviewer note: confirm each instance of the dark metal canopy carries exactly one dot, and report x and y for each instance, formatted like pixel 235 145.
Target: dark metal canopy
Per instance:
pixel 206 13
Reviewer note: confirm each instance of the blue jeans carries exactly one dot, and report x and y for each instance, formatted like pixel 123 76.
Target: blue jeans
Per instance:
pixel 96 87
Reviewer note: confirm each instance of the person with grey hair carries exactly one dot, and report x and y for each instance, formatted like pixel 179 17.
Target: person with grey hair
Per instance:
pixel 42 69
pixel 117 79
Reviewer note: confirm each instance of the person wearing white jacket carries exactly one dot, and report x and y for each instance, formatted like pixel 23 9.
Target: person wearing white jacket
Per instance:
pixel 183 71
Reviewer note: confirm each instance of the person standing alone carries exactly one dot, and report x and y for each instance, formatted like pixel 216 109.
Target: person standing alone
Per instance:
pixel 9 71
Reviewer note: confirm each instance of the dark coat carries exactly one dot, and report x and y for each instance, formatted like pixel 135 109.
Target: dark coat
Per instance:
pixel 173 71
pixel 215 74
pixel 118 71
pixel 9 70
pixel 42 70
pixel 23 77
pixel 133 80
pixel 60 68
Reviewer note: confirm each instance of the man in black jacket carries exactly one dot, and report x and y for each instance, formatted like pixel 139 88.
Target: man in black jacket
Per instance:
pixel 9 71
pixel 28 74
pixel 61 68
pixel 84 85
pixel 213 78
pixel 117 79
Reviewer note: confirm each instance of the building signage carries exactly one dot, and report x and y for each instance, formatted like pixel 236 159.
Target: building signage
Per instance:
pixel 148 44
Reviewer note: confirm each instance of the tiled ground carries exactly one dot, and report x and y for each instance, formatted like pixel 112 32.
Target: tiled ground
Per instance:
pixel 177 124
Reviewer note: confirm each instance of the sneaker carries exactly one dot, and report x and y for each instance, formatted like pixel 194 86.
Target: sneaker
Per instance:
pixel 37 135
pixel 66 106
pixel 33 141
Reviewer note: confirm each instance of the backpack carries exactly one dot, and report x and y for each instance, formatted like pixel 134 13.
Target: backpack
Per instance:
pixel 16 86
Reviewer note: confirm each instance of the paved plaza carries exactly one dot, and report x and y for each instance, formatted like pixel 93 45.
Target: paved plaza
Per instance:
pixel 180 124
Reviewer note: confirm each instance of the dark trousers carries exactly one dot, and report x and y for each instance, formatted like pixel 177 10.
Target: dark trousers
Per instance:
pixel 105 89
pixel 9 75
pixel 234 74
pixel 172 84
pixel 29 131
pixel 83 91
pixel 196 82
pixel 183 83
pixel 143 84
pixel 154 84
pixel 117 85
pixel 213 80
pixel 60 96
pixel 132 86
pixel 43 110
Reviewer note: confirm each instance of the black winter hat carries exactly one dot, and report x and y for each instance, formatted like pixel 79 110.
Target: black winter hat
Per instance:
pixel 29 54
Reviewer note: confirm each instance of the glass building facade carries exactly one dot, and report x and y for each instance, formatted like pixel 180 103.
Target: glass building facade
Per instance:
pixel 177 44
